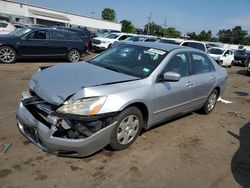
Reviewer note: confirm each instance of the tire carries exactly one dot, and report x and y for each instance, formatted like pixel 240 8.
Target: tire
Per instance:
pixel 210 103
pixel 246 63
pixel 7 55
pixel 73 55
pixel 230 66
pixel 125 133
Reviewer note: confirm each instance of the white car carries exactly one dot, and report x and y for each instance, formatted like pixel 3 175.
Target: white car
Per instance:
pixel 6 27
pixel 222 56
pixel 103 43
pixel 195 44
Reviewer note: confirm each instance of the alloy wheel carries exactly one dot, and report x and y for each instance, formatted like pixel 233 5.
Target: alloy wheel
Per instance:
pixel 127 129
pixel 7 55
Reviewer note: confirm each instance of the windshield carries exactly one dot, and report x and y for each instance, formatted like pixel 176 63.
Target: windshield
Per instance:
pixel 20 32
pixel 215 51
pixel 130 59
pixel 112 36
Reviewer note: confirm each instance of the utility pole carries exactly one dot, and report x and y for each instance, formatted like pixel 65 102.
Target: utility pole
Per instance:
pixel 92 14
pixel 165 26
pixel 149 22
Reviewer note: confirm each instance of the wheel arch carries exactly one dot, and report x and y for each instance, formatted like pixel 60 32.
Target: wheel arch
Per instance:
pixel 144 110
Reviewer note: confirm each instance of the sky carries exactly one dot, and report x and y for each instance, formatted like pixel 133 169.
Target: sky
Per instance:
pixel 184 15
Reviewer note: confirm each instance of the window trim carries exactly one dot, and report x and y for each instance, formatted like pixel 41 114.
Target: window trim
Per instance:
pixel 189 61
pixel 193 67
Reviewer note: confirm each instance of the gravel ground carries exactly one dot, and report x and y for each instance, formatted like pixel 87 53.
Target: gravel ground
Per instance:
pixel 192 151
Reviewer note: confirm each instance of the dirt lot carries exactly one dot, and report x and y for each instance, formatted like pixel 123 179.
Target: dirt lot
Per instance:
pixel 192 151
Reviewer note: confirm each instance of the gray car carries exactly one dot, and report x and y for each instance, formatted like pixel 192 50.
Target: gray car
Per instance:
pixel 77 109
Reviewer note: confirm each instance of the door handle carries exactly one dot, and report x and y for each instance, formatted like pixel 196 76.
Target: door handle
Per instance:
pixel 189 84
pixel 213 78
pixel 46 43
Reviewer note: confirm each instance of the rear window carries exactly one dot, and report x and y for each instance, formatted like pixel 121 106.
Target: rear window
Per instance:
pixel 195 45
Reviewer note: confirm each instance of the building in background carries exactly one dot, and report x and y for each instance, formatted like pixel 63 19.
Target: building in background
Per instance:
pixel 32 14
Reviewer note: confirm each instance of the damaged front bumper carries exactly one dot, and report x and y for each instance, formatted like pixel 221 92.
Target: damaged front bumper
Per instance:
pixel 45 136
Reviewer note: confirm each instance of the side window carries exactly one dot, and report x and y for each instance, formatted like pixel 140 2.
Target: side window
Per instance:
pixel 73 37
pixel 123 37
pixel 226 53
pixel 231 52
pixel 57 35
pixel 179 63
pixel 201 63
pixel 39 35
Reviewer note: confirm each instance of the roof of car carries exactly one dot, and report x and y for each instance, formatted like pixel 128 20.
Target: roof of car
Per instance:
pixel 49 29
pixel 160 46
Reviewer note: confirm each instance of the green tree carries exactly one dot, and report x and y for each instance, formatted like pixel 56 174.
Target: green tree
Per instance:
pixel 192 35
pixel 238 35
pixel 205 36
pixel 225 36
pixel 171 32
pixel 127 26
pixel 108 14
pixel 154 29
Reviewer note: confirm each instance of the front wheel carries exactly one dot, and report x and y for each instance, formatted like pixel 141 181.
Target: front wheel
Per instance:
pixel 73 55
pixel 129 124
pixel 211 102
pixel 7 55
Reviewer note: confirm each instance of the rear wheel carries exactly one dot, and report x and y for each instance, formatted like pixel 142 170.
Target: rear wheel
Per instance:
pixel 7 55
pixel 73 55
pixel 129 124
pixel 211 102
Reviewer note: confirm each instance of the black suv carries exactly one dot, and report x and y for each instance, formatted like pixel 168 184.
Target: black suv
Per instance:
pixel 241 57
pixel 36 43
pixel 83 34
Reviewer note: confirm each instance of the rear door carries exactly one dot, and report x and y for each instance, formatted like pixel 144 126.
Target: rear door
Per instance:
pixel 205 77
pixel 59 43
pixel 35 44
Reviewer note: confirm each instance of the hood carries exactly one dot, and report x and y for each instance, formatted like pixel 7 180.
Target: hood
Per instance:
pixel 55 84
pixel 215 56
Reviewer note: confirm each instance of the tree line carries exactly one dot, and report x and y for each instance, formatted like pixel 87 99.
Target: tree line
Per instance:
pixel 236 35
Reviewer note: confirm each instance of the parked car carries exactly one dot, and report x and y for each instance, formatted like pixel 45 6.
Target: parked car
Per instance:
pixel 6 27
pixel 103 43
pixel 136 38
pixel 241 57
pixel 29 43
pixel 77 109
pixel 19 25
pixel 169 41
pixel 222 56
pixel 104 32
pixel 85 36
pixel 195 44
pixel 213 45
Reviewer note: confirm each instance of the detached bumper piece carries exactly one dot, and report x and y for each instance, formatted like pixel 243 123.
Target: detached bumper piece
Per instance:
pixel 64 135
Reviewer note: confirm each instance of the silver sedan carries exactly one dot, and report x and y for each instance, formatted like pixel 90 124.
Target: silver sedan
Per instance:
pixel 77 109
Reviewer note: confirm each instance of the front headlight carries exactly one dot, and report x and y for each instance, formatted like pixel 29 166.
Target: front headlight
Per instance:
pixel 88 106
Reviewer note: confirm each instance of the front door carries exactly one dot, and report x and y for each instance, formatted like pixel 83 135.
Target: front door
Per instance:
pixel 172 98
pixel 35 44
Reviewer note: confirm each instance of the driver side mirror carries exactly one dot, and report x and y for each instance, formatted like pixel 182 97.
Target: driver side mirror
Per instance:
pixel 170 76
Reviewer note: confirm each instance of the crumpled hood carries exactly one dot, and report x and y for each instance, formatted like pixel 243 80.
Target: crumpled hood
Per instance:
pixel 57 83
